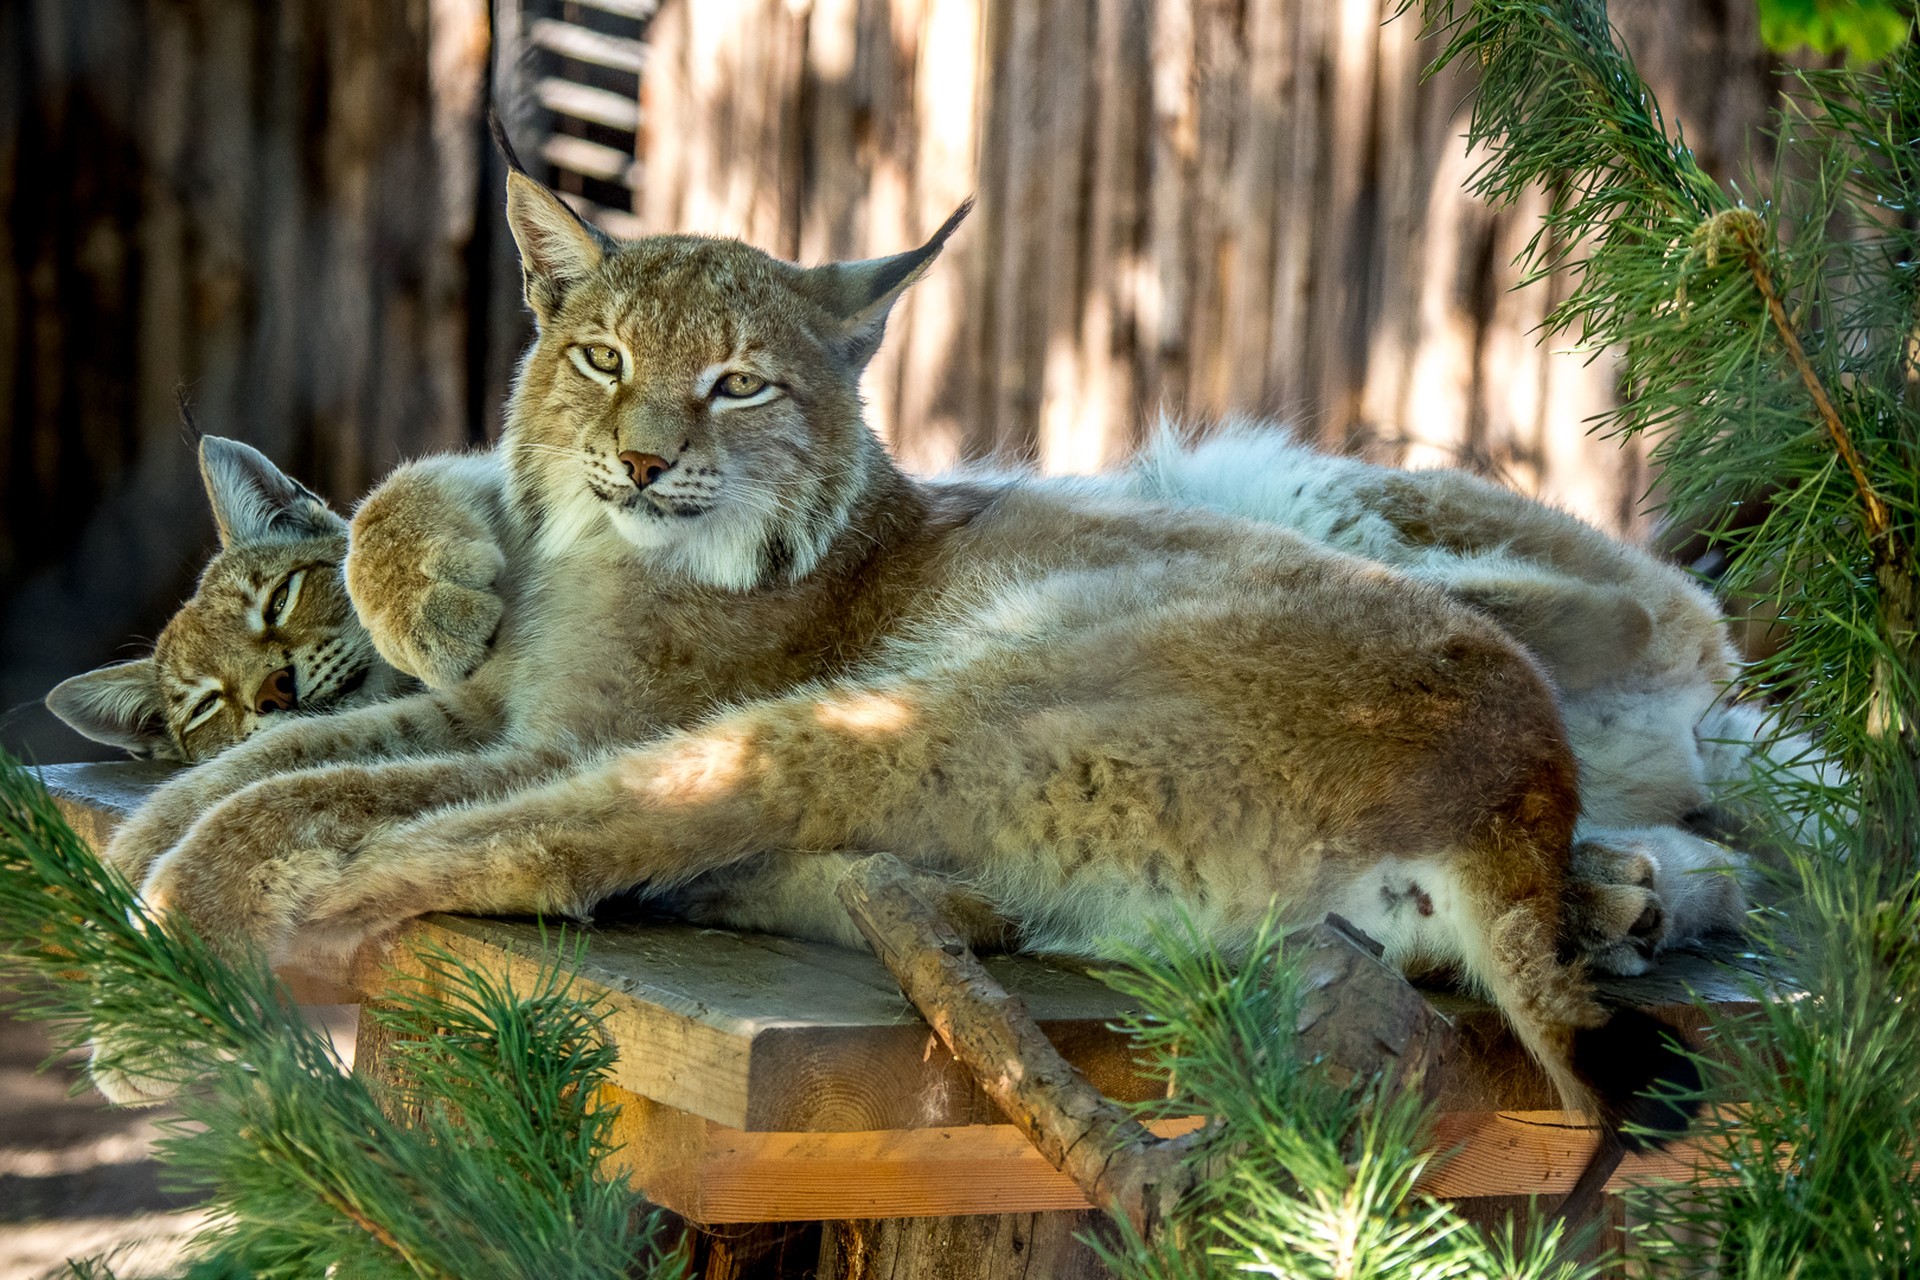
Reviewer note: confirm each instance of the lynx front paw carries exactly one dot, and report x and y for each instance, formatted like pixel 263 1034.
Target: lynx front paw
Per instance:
pixel 155 828
pixel 431 608
pixel 245 873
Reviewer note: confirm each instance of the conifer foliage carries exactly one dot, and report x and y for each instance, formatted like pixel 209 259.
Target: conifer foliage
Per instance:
pixel 1770 347
pixel 1304 1176
pixel 305 1170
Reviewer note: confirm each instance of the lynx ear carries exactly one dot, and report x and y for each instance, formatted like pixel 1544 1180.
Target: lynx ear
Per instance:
pixel 254 501
pixel 860 294
pixel 557 247
pixel 119 705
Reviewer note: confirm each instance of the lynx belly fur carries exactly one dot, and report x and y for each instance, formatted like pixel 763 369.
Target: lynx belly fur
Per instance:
pixel 732 627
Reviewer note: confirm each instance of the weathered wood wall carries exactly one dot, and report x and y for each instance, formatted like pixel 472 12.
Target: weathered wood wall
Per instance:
pixel 1201 205
pixel 271 206
pixel 1206 206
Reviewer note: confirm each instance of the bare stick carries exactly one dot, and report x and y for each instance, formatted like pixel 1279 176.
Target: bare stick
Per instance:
pixel 1358 1016
pixel 1110 1156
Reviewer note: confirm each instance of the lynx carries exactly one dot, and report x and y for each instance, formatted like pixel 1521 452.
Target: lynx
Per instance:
pixel 1640 685
pixel 732 626
pixel 269 632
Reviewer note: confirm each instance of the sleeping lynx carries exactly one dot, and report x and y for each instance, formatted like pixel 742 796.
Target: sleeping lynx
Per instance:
pixel 269 630
pixel 732 626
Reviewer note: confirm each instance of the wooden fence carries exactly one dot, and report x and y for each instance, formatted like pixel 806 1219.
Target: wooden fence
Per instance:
pixel 1200 206
pixel 271 207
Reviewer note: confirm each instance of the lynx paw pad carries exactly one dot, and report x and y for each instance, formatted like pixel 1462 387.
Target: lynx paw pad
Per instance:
pixel 1615 917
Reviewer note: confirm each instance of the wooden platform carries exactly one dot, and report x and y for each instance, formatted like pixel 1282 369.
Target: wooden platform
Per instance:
pixel 764 1079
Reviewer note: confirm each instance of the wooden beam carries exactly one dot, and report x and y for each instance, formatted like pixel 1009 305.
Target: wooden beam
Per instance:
pixel 712 1173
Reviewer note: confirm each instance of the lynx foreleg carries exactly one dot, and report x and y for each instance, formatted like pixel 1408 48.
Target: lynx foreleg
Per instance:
pixel 423 723
pixel 248 869
pixel 829 774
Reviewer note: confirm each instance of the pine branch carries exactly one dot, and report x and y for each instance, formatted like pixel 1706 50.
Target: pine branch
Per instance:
pixel 1743 231
pixel 1769 349
pixel 303 1169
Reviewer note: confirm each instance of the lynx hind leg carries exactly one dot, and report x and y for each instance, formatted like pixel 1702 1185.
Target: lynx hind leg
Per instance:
pixel 1622 1065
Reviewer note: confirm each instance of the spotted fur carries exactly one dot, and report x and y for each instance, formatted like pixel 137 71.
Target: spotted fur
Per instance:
pixel 1089 712
pixel 269 631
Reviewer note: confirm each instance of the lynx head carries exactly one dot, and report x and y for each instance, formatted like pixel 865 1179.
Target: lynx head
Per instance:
pixel 269 629
pixel 695 398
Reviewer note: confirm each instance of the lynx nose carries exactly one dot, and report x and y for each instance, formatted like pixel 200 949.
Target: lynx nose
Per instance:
pixel 643 468
pixel 276 693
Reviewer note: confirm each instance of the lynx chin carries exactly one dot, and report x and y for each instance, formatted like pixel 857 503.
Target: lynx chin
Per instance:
pixel 736 646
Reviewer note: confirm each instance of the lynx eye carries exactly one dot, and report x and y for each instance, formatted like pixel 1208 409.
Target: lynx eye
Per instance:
pixel 202 711
pixel 739 386
pixel 281 602
pixel 603 357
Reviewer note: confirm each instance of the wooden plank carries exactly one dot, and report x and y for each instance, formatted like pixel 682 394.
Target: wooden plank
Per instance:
pixel 583 44
pixel 584 102
pixel 94 798
pixel 590 158
pixel 1536 1153
pixel 637 10
pixel 711 1172
pixel 782 1036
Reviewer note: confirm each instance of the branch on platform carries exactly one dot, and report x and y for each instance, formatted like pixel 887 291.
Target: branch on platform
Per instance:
pixel 1358 1016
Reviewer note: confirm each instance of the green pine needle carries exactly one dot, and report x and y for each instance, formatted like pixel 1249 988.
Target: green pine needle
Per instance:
pixel 304 1169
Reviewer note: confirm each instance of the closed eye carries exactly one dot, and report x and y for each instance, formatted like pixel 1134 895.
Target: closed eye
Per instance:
pixel 202 711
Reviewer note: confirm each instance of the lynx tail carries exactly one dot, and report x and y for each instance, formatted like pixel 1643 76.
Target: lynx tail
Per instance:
pixel 1642 1075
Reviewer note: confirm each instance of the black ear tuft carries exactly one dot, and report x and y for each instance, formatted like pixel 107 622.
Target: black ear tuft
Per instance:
pixel 498 129
pixel 186 413
pixel 1643 1074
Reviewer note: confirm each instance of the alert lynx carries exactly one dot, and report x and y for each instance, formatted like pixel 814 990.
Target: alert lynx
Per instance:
pixel 268 633
pixel 733 628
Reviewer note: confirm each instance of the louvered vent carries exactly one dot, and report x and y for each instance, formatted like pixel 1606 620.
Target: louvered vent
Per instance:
pixel 583 61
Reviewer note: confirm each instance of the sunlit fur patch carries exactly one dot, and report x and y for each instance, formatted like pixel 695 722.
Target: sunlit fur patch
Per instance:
pixel 698 771
pixel 869 715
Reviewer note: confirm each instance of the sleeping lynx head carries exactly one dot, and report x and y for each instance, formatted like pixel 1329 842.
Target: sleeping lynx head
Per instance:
pixel 269 630
pixel 697 395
